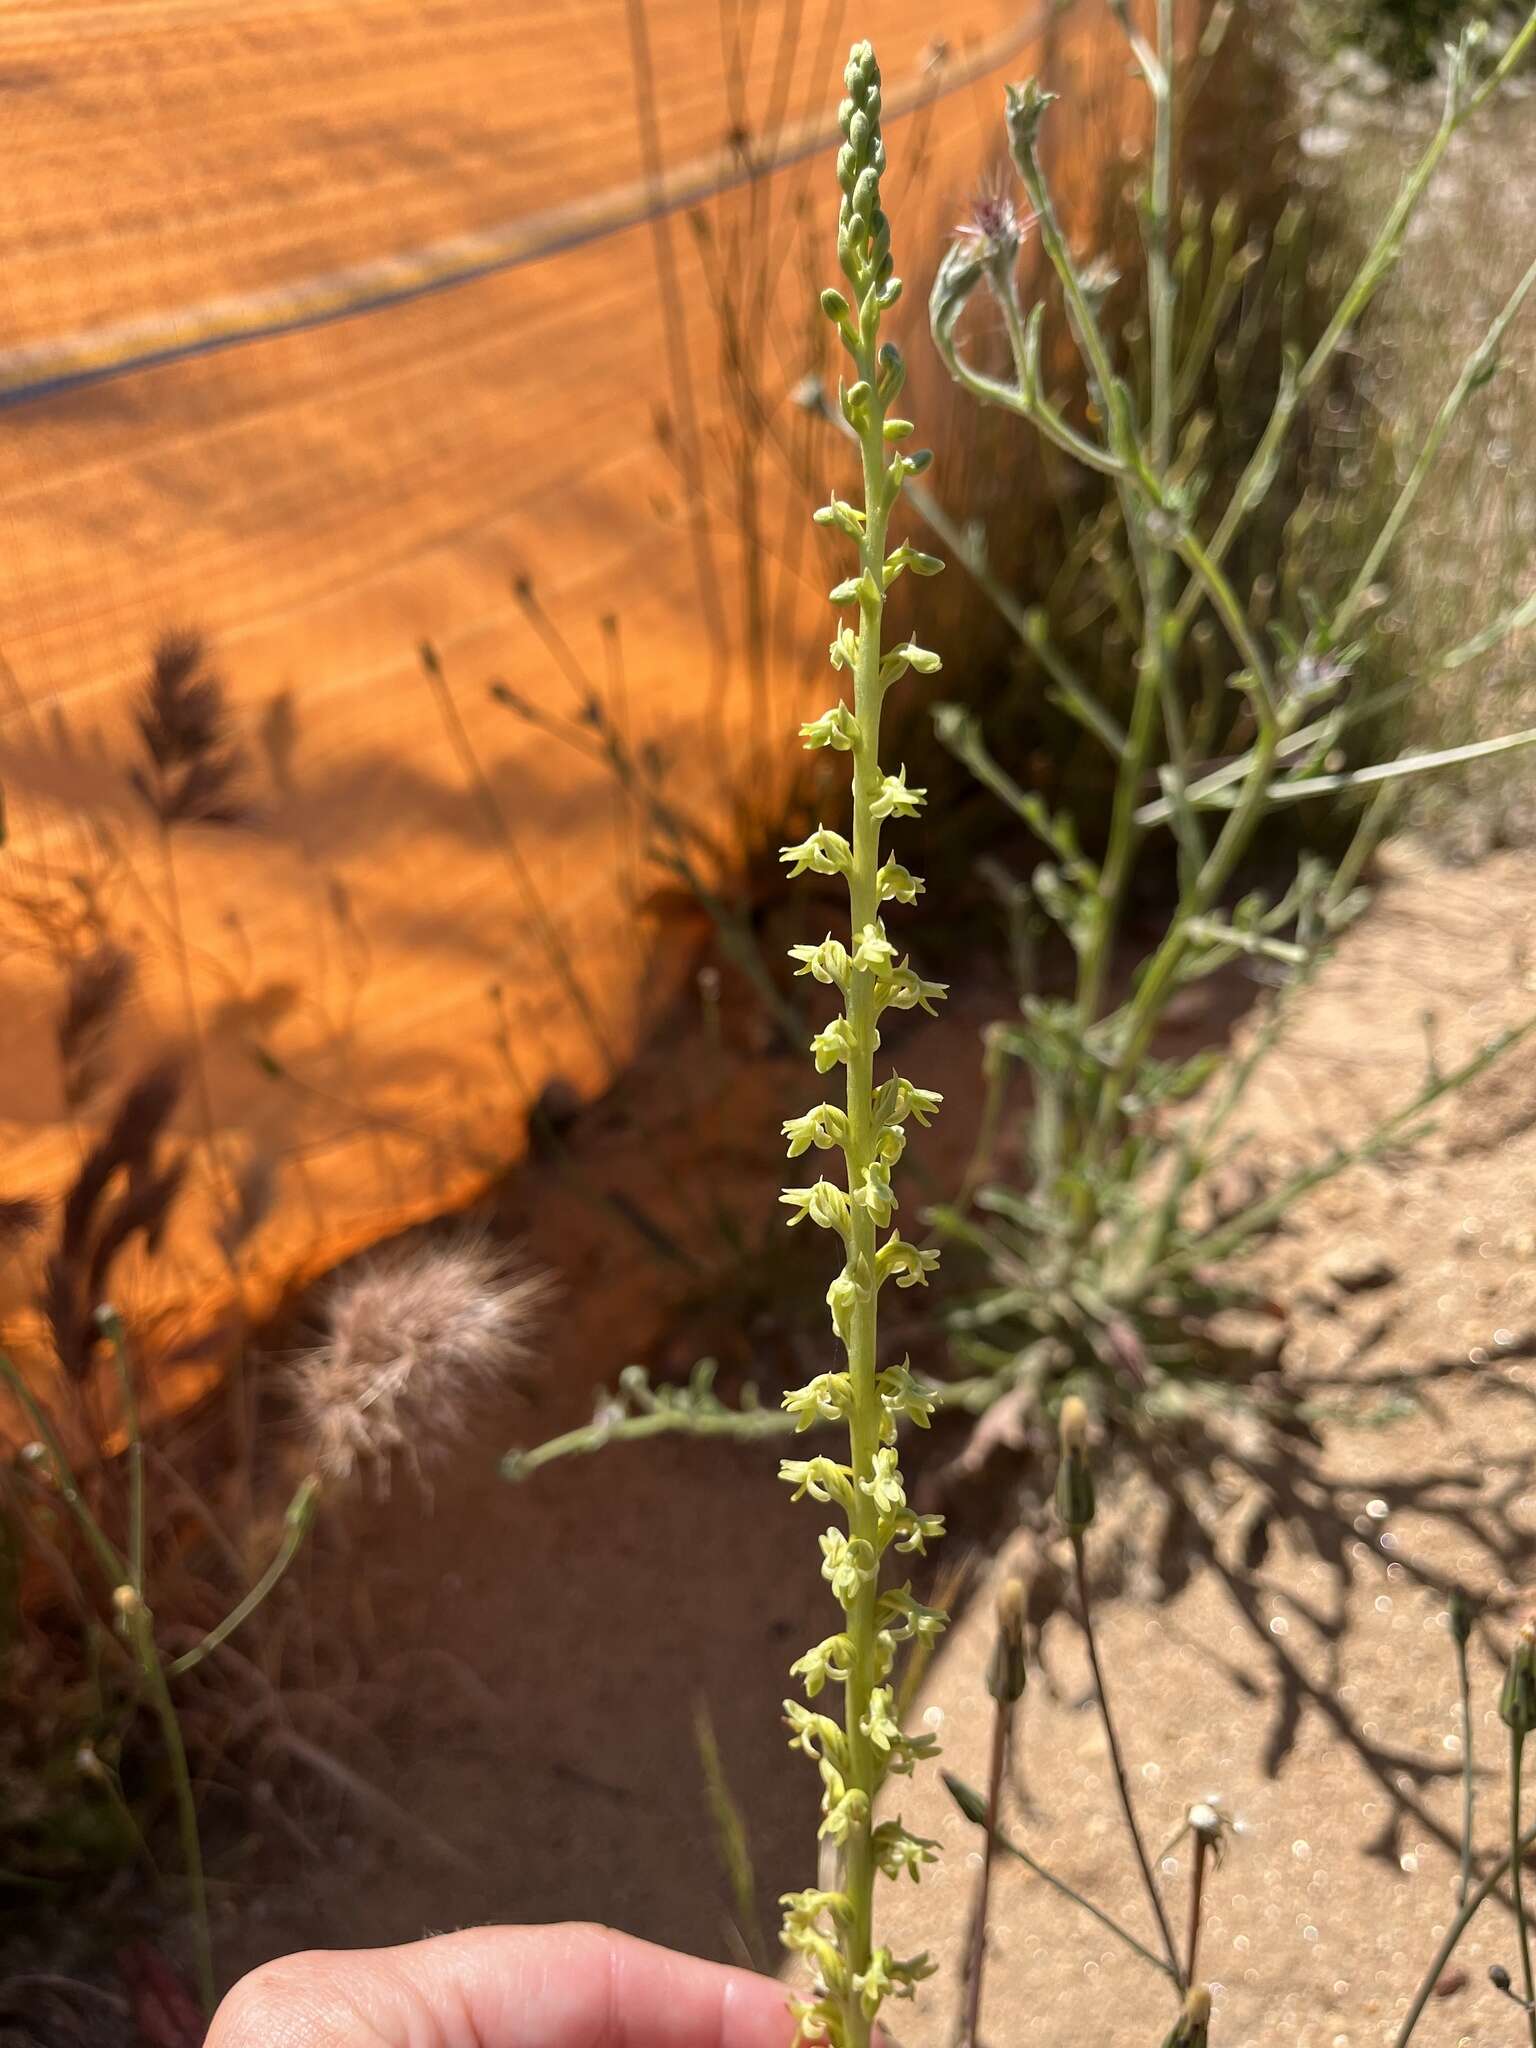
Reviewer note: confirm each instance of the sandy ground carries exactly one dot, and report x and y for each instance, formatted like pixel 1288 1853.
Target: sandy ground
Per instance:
pixel 542 1650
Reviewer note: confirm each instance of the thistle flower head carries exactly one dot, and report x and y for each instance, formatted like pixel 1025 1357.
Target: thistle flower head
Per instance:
pixel 412 1339
pixel 995 231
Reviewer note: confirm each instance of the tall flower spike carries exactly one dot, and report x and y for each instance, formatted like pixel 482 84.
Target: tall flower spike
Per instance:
pixel 834 1929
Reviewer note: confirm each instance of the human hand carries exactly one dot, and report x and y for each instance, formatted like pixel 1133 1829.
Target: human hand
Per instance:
pixel 503 1987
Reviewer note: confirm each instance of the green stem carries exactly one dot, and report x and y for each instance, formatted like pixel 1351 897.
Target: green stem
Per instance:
pixel 111 1324
pixel 1453 1934
pixel 297 1520
pixel 864 1410
pixel 1253 485
pixel 1516 1850
pixel 1262 1215
pixel 1117 1761
pixel 682 1417
pixel 1468 1789
pixel 1161 972
pixel 973 1807
pixel 976 1946
pixel 111 1562
pixel 1475 372
pixel 141 1629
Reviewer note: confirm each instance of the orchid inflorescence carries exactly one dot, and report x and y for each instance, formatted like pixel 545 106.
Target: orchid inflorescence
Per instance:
pixel 833 1928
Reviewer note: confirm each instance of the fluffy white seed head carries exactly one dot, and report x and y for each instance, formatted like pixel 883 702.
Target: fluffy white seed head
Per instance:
pixel 411 1340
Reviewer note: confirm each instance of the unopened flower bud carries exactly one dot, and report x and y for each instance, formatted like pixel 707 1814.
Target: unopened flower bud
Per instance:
pixel 967 1798
pixel 1024 107
pixel 1517 1701
pixel 126 1601
pixel 1074 1475
pixel 1192 2027
pixel 1007 1672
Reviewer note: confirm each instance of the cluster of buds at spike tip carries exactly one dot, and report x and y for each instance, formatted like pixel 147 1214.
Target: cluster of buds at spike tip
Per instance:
pixel 859 1751
pixel 1517 1701
pixel 1074 1475
pixel 1192 2028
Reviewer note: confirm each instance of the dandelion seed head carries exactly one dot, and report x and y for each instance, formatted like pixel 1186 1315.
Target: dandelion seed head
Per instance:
pixel 412 1339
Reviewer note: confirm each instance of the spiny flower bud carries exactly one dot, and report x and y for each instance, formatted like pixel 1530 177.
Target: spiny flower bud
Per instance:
pixel 1007 1673
pixel 1192 2028
pixel 1517 1701
pixel 1023 109
pixel 1074 1476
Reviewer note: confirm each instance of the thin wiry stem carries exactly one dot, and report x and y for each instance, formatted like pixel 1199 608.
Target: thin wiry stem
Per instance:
pixel 1117 1761
pixel 678 1411
pixel 976 1944
pixel 1453 1934
pixel 973 1806
pixel 1468 1783
pixel 106 1554
pixel 1202 1851
pixel 141 1630
pixel 111 1323
pixel 296 1525
pixel 1516 1857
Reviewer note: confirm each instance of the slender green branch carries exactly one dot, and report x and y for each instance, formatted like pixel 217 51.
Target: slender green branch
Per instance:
pixel 974 1807
pixel 1209 574
pixel 1514 620
pixel 140 1627
pixel 680 1413
pixel 1517 1888
pixel 110 1323
pixel 1117 1761
pixel 1258 474
pixel 113 1565
pixel 1260 1216
pixel 1475 372
pixel 1451 1940
pixel 296 1524
pixel 1005 1682
pixel 1461 1635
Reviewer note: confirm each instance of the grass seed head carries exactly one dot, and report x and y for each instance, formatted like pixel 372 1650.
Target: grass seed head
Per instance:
pixel 412 1338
